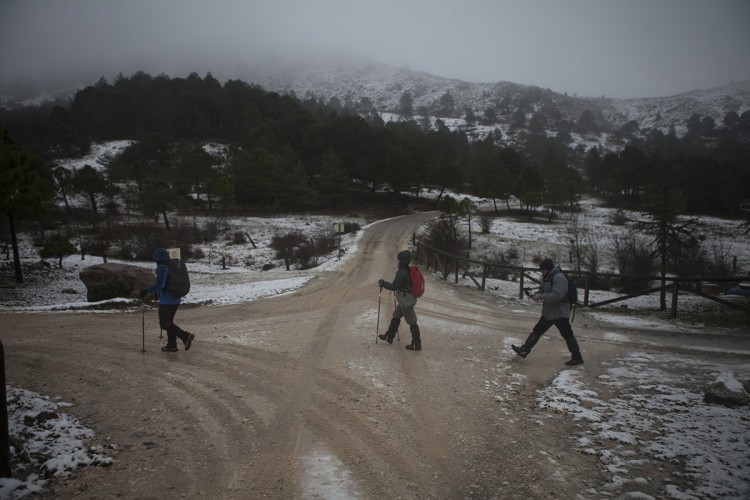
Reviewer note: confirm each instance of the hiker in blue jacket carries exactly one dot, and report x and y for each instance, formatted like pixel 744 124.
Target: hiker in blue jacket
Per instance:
pixel 168 304
pixel 405 302
pixel 555 311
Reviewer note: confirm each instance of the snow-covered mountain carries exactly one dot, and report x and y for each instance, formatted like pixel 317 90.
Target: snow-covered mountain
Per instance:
pixel 478 108
pixel 508 110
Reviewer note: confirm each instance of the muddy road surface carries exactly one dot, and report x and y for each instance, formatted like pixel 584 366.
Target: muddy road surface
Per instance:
pixel 291 396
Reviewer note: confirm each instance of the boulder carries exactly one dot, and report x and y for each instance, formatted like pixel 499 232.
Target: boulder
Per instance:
pixel 725 392
pixel 108 281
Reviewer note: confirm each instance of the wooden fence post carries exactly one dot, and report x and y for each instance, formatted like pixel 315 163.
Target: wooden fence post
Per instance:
pixel 4 437
pixel 586 290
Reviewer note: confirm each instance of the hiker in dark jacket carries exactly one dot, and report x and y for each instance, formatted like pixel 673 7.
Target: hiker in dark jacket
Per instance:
pixel 168 304
pixel 405 302
pixel 555 311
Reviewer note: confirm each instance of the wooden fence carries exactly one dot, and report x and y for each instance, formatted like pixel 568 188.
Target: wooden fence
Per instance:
pixel 431 258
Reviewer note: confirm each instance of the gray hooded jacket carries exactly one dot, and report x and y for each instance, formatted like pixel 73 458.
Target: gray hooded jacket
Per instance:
pixel 554 295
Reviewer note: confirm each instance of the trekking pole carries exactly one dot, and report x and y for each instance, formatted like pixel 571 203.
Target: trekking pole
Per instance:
pixel 398 335
pixel 377 326
pixel 161 336
pixel 143 327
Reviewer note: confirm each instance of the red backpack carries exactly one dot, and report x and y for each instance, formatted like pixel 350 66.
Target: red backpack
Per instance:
pixel 417 281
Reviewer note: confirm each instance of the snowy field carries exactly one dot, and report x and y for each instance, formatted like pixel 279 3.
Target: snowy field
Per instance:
pixel 656 417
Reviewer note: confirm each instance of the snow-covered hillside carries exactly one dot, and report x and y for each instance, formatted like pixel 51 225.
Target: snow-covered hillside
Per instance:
pixel 478 108
pixel 370 88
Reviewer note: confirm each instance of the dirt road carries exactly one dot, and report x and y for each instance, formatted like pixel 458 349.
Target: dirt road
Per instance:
pixel 291 397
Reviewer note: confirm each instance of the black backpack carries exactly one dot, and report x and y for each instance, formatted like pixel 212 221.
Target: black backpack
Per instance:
pixel 178 279
pixel 572 296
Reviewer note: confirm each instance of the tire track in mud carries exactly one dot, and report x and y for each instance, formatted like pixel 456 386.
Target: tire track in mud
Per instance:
pixel 345 423
pixel 235 416
pixel 311 414
pixel 228 424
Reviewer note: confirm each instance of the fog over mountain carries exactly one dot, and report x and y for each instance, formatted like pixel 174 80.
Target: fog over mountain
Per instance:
pixel 633 49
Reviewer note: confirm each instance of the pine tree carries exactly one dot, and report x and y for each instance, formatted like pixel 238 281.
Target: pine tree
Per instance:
pixel 25 185
pixel 663 223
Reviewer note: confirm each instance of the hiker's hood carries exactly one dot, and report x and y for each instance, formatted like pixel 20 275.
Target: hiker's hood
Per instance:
pixel 404 257
pixel 161 255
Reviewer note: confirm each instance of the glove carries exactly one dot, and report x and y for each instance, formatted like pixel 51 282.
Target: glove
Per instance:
pixel 380 283
pixel 143 292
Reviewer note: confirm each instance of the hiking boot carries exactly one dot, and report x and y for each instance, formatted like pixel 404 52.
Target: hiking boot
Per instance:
pixel 521 351
pixel 169 348
pixel 574 361
pixel 386 337
pixel 390 334
pixel 416 338
pixel 189 341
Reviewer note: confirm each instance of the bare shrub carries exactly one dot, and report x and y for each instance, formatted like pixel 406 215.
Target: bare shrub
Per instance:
pixel 687 257
pixel 440 234
pixel 324 243
pixel 351 227
pixel 305 255
pixel 210 230
pixel 239 238
pixel 633 257
pixel 618 218
pixel 296 248
pixel 584 246
pixel 720 261
pixel 285 244
pixel 512 254
pixel 96 246
pixel 692 257
pixel 502 258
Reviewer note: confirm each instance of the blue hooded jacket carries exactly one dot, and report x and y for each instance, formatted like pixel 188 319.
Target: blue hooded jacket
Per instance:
pixel 161 256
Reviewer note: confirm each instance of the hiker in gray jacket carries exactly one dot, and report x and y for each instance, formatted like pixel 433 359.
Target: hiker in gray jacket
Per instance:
pixel 405 302
pixel 555 311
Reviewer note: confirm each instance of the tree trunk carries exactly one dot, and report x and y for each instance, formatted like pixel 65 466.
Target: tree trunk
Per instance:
pixel 166 221
pixel 16 256
pixel 92 198
pixel 663 294
pixel 65 199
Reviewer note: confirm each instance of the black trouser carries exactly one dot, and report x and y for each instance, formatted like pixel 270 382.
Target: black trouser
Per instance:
pixel 166 322
pixel 563 325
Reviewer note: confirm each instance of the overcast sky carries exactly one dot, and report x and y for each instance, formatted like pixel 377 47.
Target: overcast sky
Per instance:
pixel 616 48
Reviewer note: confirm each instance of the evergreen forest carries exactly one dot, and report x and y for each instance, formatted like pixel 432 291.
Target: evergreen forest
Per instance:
pixel 281 152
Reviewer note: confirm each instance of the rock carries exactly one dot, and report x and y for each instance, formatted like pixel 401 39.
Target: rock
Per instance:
pixel 108 281
pixel 720 392
pixel 40 418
